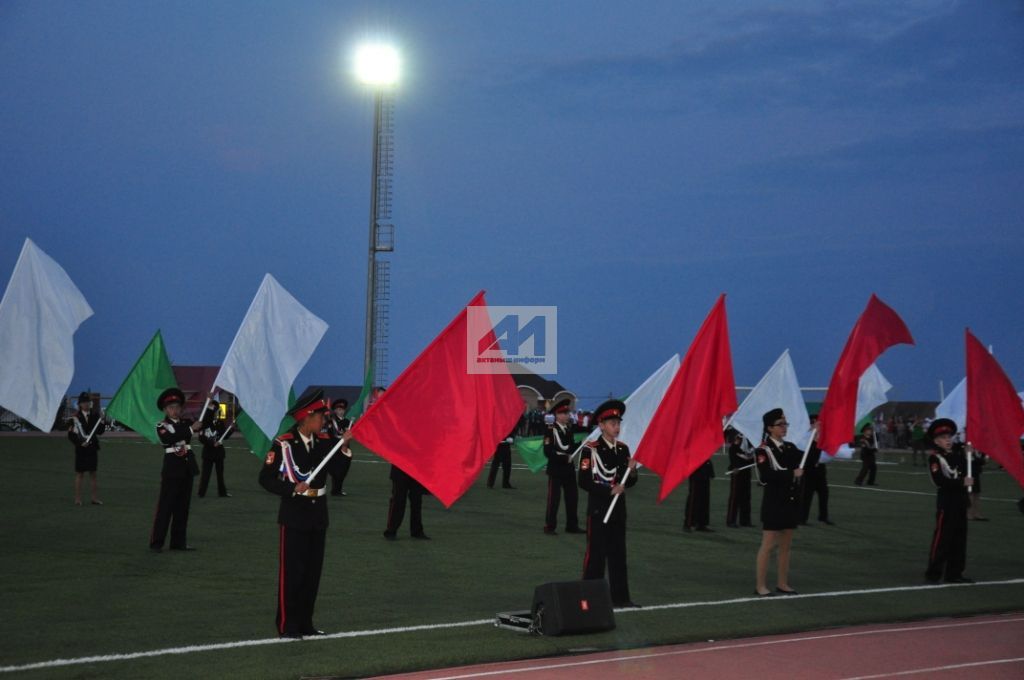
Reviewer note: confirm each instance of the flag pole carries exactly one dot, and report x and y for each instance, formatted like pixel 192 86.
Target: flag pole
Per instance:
pixel 615 499
pixel 225 434
pixel 807 449
pixel 745 467
pixel 970 457
pixel 330 454
pixel 94 428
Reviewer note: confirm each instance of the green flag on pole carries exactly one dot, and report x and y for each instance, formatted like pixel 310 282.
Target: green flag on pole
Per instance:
pixel 134 404
pixel 357 408
pixel 532 450
pixel 258 442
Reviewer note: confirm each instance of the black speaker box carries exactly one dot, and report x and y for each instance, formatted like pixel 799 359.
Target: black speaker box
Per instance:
pixel 573 607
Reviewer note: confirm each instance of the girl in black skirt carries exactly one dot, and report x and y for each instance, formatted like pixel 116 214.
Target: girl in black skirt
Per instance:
pixel 778 463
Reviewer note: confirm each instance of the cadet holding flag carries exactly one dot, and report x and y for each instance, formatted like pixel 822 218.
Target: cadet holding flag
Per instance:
pixel 778 464
pixel 179 468
pixel 84 432
pixel 302 517
pixel 603 476
pixel 212 436
pixel 559 445
pixel 948 469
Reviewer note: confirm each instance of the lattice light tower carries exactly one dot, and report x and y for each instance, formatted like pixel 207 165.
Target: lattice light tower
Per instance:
pixel 378 66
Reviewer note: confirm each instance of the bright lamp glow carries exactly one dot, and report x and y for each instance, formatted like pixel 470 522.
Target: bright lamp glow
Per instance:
pixel 377 64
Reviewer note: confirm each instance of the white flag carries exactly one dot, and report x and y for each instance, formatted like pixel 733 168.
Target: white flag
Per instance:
pixel 274 342
pixel 954 406
pixel 777 389
pixel 642 403
pixel 871 393
pixel 39 314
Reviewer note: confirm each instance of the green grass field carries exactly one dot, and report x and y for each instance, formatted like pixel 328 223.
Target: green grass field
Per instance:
pixel 80 581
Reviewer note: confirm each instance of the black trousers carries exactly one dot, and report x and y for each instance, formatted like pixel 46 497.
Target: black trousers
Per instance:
pixel 698 503
pixel 204 479
pixel 868 468
pixel 949 545
pixel 301 558
pixel 401 490
pixel 815 481
pixel 739 499
pixel 562 482
pixel 502 458
pixel 339 474
pixel 606 544
pixel 172 511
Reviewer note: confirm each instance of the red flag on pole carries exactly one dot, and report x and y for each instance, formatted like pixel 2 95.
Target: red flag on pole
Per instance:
pixel 438 422
pixel 877 329
pixel 995 417
pixel 687 426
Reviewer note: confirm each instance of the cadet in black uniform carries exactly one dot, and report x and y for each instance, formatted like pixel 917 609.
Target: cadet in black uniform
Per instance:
pixel 603 465
pixel 698 500
pixel 868 451
pixel 302 516
pixel 738 513
pixel 559 445
pixel 778 464
pixel 87 445
pixel 503 458
pixel 404 487
pixel 336 426
pixel 815 482
pixel 179 467
pixel 213 435
pixel 948 469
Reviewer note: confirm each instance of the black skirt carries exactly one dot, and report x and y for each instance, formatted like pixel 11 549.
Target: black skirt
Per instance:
pixel 780 507
pixel 86 459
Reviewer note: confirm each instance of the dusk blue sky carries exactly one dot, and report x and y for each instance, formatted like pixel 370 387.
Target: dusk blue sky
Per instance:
pixel 626 162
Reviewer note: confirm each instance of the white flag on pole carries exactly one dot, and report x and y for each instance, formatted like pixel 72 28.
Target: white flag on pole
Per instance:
pixel 777 389
pixel 871 393
pixel 642 403
pixel 39 314
pixel 954 406
pixel 274 342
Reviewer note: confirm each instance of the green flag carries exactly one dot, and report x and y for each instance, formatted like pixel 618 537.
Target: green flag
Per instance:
pixel 258 442
pixel 356 409
pixel 532 450
pixel 134 404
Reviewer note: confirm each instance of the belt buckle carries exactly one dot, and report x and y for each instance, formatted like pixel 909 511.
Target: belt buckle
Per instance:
pixel 312 493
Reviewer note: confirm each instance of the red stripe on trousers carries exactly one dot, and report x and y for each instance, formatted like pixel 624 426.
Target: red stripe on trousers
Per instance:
pixel 938 533
pixel 281 585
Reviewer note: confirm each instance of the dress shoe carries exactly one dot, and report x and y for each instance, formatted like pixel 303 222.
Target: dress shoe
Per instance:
pixel 186 548
pixel 960 579
pixel 706 530
pixel 733 525
pixel 979 519
pixel 768 594
pixel 312 632
pixel 507 486
pixel 828 522
pixel 390 536
pixel 550 532
pixel 291 636
pixel 786 592
pixel 99 502
pixel 422 537
pixel 225 495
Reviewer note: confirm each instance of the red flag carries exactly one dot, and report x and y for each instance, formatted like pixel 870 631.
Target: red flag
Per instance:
pixel 877 329
pixel 687 426
pixel 438 422
pixel 995 417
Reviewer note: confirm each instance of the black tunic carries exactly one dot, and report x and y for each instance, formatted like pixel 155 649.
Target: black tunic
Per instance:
pixel 79 427
pixel 780 504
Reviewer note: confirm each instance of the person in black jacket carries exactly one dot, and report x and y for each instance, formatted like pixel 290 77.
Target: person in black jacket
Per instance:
pixel 179 467
pixel 948 469
pixel 336 425
pixel 738 512
pixel 698 500
pixel 84 430
pixel 868 450
pixel 502 458
pixel 302 515
pixel 603 476
pixel 778 464
pixel 213 435
pixel 815 481
pixel 559 445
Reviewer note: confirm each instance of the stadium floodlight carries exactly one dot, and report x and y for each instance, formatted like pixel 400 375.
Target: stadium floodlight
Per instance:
pixel 377 64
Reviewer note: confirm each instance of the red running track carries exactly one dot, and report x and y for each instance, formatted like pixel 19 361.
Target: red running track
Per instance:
pixel 975 647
